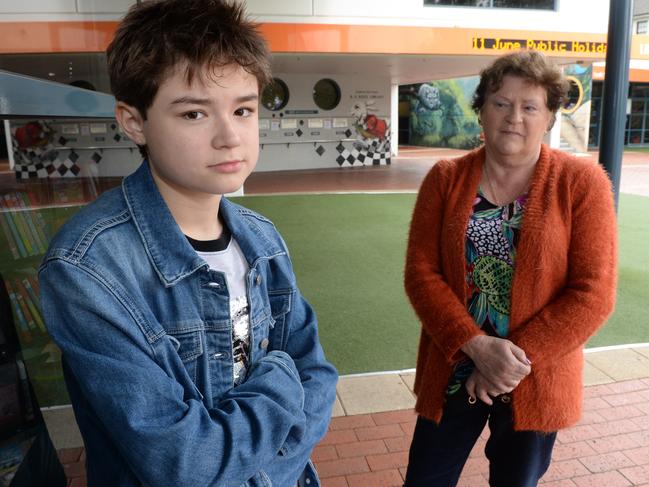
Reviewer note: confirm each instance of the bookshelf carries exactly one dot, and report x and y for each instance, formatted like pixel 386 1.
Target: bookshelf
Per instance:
pixel 31 212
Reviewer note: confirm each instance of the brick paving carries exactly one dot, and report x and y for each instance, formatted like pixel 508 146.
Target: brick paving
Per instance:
pixel 608 448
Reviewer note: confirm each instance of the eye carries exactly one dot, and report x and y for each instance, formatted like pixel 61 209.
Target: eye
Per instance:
pixel 193 115
pixel 530 108
pixel 244 111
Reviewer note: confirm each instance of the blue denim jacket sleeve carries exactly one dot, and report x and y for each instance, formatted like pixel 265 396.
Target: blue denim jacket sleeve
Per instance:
pixel 319 379
pixel 165 433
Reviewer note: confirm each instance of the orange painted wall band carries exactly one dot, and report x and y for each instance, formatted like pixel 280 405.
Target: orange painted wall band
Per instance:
pixel 88 36
pixel 50 37
pixel 635 75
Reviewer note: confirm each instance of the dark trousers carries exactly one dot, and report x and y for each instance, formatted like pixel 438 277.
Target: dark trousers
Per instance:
pixel 438 452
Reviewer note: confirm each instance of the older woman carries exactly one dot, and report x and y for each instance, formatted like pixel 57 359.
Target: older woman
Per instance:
pixel 511 267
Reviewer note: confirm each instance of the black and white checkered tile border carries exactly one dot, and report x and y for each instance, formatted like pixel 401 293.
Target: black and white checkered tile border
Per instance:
pixel 48 162
pixel 365 152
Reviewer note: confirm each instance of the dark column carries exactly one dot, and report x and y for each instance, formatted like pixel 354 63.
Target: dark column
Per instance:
pixel 616 89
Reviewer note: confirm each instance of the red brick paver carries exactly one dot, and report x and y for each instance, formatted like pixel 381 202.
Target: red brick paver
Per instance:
pixel 609 448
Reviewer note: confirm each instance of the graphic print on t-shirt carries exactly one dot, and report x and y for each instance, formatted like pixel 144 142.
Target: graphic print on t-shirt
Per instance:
pixel 224 255
pixel 240 316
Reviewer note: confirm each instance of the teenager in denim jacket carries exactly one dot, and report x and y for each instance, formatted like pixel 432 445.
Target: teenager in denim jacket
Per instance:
pixel 182 372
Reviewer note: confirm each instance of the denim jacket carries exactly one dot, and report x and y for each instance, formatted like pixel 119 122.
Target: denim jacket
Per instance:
pixel 146 336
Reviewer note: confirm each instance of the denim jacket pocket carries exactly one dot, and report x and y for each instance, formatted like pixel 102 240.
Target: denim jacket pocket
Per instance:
pixel 189 347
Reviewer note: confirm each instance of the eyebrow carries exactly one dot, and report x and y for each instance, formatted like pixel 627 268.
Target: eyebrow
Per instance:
pixel 191 100
pixel 525 100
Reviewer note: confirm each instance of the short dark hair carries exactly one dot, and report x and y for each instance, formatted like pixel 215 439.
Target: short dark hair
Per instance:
pixel 155 36
pixel 532 66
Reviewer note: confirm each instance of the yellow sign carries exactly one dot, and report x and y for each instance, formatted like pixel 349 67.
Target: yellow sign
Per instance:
pixel 550 46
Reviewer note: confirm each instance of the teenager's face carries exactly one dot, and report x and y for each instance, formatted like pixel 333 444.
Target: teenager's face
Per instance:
pixel 203 138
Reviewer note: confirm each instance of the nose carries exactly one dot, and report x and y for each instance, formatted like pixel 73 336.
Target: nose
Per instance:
pixel 225 134
pixel 515 114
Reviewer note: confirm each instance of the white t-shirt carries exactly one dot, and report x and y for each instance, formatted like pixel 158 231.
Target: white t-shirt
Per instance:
pixel 224 255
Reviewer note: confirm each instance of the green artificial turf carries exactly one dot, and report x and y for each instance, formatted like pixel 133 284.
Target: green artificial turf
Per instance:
pixel 348 252
pixel 630 322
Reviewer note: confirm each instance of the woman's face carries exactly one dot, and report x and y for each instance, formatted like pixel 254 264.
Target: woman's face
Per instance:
pixel 515 119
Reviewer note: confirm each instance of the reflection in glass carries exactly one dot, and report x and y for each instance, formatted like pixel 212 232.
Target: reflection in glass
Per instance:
pixel 49 169
pixel 275 95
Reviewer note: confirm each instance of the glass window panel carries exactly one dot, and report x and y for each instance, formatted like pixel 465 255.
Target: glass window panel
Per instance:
pixel 326 94
pixel 526 4
pixel 49 169
pixel 275 95
pixel 641 27
pixel 635 137
pixel 639 90
pixel 84 70
pixel 594 110
pixel 637 106
pixel 636 122
pixel 597 88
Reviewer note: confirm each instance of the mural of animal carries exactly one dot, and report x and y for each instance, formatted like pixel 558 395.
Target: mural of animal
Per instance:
pixel 368 125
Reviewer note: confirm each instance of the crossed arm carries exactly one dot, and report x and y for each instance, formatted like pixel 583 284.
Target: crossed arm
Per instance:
pixel 163 430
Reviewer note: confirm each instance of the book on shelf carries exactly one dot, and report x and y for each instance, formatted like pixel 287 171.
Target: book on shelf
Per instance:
pixel 41 226
pixel 32 304
pixel 15 236
pixel 21 319
pixel 24 229
pixel 22 201
pixel 20 223
pixel 9 236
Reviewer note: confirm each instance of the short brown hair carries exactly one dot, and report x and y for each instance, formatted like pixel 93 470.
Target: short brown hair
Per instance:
pixel 532 66
pixel 158 35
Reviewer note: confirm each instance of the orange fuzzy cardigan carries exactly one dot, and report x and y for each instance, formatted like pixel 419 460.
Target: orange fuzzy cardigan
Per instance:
pixel 563 287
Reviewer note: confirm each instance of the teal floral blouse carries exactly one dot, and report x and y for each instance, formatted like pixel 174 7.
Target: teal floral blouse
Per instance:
pixel 491 239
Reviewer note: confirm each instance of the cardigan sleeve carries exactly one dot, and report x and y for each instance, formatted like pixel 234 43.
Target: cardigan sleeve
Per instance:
pixel 588 297
pixel 443 315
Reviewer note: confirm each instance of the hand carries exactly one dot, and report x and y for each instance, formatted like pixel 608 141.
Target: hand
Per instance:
pixel 499 361
pixel 477 386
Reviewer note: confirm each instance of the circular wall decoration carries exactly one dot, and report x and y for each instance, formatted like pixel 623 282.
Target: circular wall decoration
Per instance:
pixel 326 94
pixel 275 95
pixel 575 96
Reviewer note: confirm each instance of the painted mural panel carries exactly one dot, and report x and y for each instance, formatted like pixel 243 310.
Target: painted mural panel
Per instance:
pixel 441 114
pixel 575 115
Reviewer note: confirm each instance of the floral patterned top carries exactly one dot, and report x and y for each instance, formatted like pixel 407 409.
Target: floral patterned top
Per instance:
pixel 491 239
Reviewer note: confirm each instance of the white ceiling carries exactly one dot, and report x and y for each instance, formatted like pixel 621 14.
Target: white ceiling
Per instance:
pixel 400 69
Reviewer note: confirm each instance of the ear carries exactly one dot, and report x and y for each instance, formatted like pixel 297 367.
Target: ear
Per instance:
pixel 131 122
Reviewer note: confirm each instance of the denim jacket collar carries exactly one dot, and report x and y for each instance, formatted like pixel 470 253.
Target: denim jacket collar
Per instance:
pixel 167 248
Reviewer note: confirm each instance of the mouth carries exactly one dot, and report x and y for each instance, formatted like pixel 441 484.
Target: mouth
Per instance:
pixel 511 132
pixel 227 166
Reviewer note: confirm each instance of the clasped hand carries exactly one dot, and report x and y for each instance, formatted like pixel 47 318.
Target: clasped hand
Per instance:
pixel 500 366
